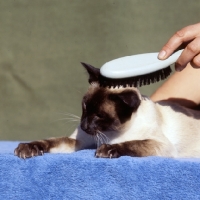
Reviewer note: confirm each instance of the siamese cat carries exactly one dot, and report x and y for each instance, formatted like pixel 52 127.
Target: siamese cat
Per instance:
pixel 122 122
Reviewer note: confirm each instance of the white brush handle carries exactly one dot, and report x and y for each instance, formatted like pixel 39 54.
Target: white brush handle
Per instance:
pixel 136 65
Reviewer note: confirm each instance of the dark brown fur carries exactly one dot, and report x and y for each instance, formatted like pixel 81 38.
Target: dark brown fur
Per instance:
pixel 107 110
pixel 136 148
pixel 36 148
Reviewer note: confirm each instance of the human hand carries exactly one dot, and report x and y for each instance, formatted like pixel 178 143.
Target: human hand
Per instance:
pixel 188 39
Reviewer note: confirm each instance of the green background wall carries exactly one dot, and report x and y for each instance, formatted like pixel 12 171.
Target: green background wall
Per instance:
pixel 42 43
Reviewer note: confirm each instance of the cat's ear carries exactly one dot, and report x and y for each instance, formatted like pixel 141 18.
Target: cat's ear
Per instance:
pixel 130 98
pixel 93 72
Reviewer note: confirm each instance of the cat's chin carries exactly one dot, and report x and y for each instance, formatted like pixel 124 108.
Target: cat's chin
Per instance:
pixel 91 132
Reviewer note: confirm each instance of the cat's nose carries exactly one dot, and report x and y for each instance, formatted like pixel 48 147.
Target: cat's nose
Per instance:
pixel 85 127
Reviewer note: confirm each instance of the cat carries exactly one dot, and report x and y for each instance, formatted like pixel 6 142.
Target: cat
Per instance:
pixel 122 122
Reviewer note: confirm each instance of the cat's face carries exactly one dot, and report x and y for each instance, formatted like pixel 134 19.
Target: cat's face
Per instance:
pixel 105 109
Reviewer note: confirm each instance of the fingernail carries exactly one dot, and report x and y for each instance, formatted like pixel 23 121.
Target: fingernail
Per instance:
pixel 162 54
pixel 179 67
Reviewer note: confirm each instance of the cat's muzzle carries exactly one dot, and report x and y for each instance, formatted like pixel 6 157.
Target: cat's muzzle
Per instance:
pixel 88 130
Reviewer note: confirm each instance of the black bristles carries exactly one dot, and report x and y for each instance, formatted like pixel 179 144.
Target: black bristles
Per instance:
pixel 136 81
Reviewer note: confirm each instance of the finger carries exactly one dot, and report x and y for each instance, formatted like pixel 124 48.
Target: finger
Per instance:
pixel 195 63
pixel 188 54
pixel 180 38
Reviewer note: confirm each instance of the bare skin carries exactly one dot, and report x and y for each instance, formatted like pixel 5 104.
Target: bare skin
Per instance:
pixel 189 39
pixel 183 86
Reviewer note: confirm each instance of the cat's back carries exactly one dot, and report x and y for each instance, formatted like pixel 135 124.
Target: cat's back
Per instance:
pixel 181 126
pixel 171 108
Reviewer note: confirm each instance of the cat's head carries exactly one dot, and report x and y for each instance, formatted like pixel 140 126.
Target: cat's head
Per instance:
pixel 106 109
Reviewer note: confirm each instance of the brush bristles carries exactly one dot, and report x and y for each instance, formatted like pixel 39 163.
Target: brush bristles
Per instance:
pixel 136 81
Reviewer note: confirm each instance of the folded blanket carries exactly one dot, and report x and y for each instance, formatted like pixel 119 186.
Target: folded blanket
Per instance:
pixel 82 176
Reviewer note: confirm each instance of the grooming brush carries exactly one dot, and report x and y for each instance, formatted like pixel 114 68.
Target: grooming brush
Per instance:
pixel 136 70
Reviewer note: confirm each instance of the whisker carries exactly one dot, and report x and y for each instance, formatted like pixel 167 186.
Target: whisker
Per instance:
pixel 67 118
pixel 95 139
pixel 101 138
pixel 98 140
pixel 73 115
pixel 72 121
pixel 69 114
pixel 69 129
pixel 69 121
pixel 106 138
pixel 79 91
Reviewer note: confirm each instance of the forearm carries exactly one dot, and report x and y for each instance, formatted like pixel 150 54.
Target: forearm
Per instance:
pixel 182 87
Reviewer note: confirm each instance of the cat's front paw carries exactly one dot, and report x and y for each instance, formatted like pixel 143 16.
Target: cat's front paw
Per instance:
pixel 28 150
pixel 107 151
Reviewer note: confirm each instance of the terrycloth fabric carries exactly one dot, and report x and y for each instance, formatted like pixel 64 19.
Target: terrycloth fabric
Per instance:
pixel 82 176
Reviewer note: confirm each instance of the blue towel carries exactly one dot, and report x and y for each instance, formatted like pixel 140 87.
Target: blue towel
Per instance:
pixel 82 176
